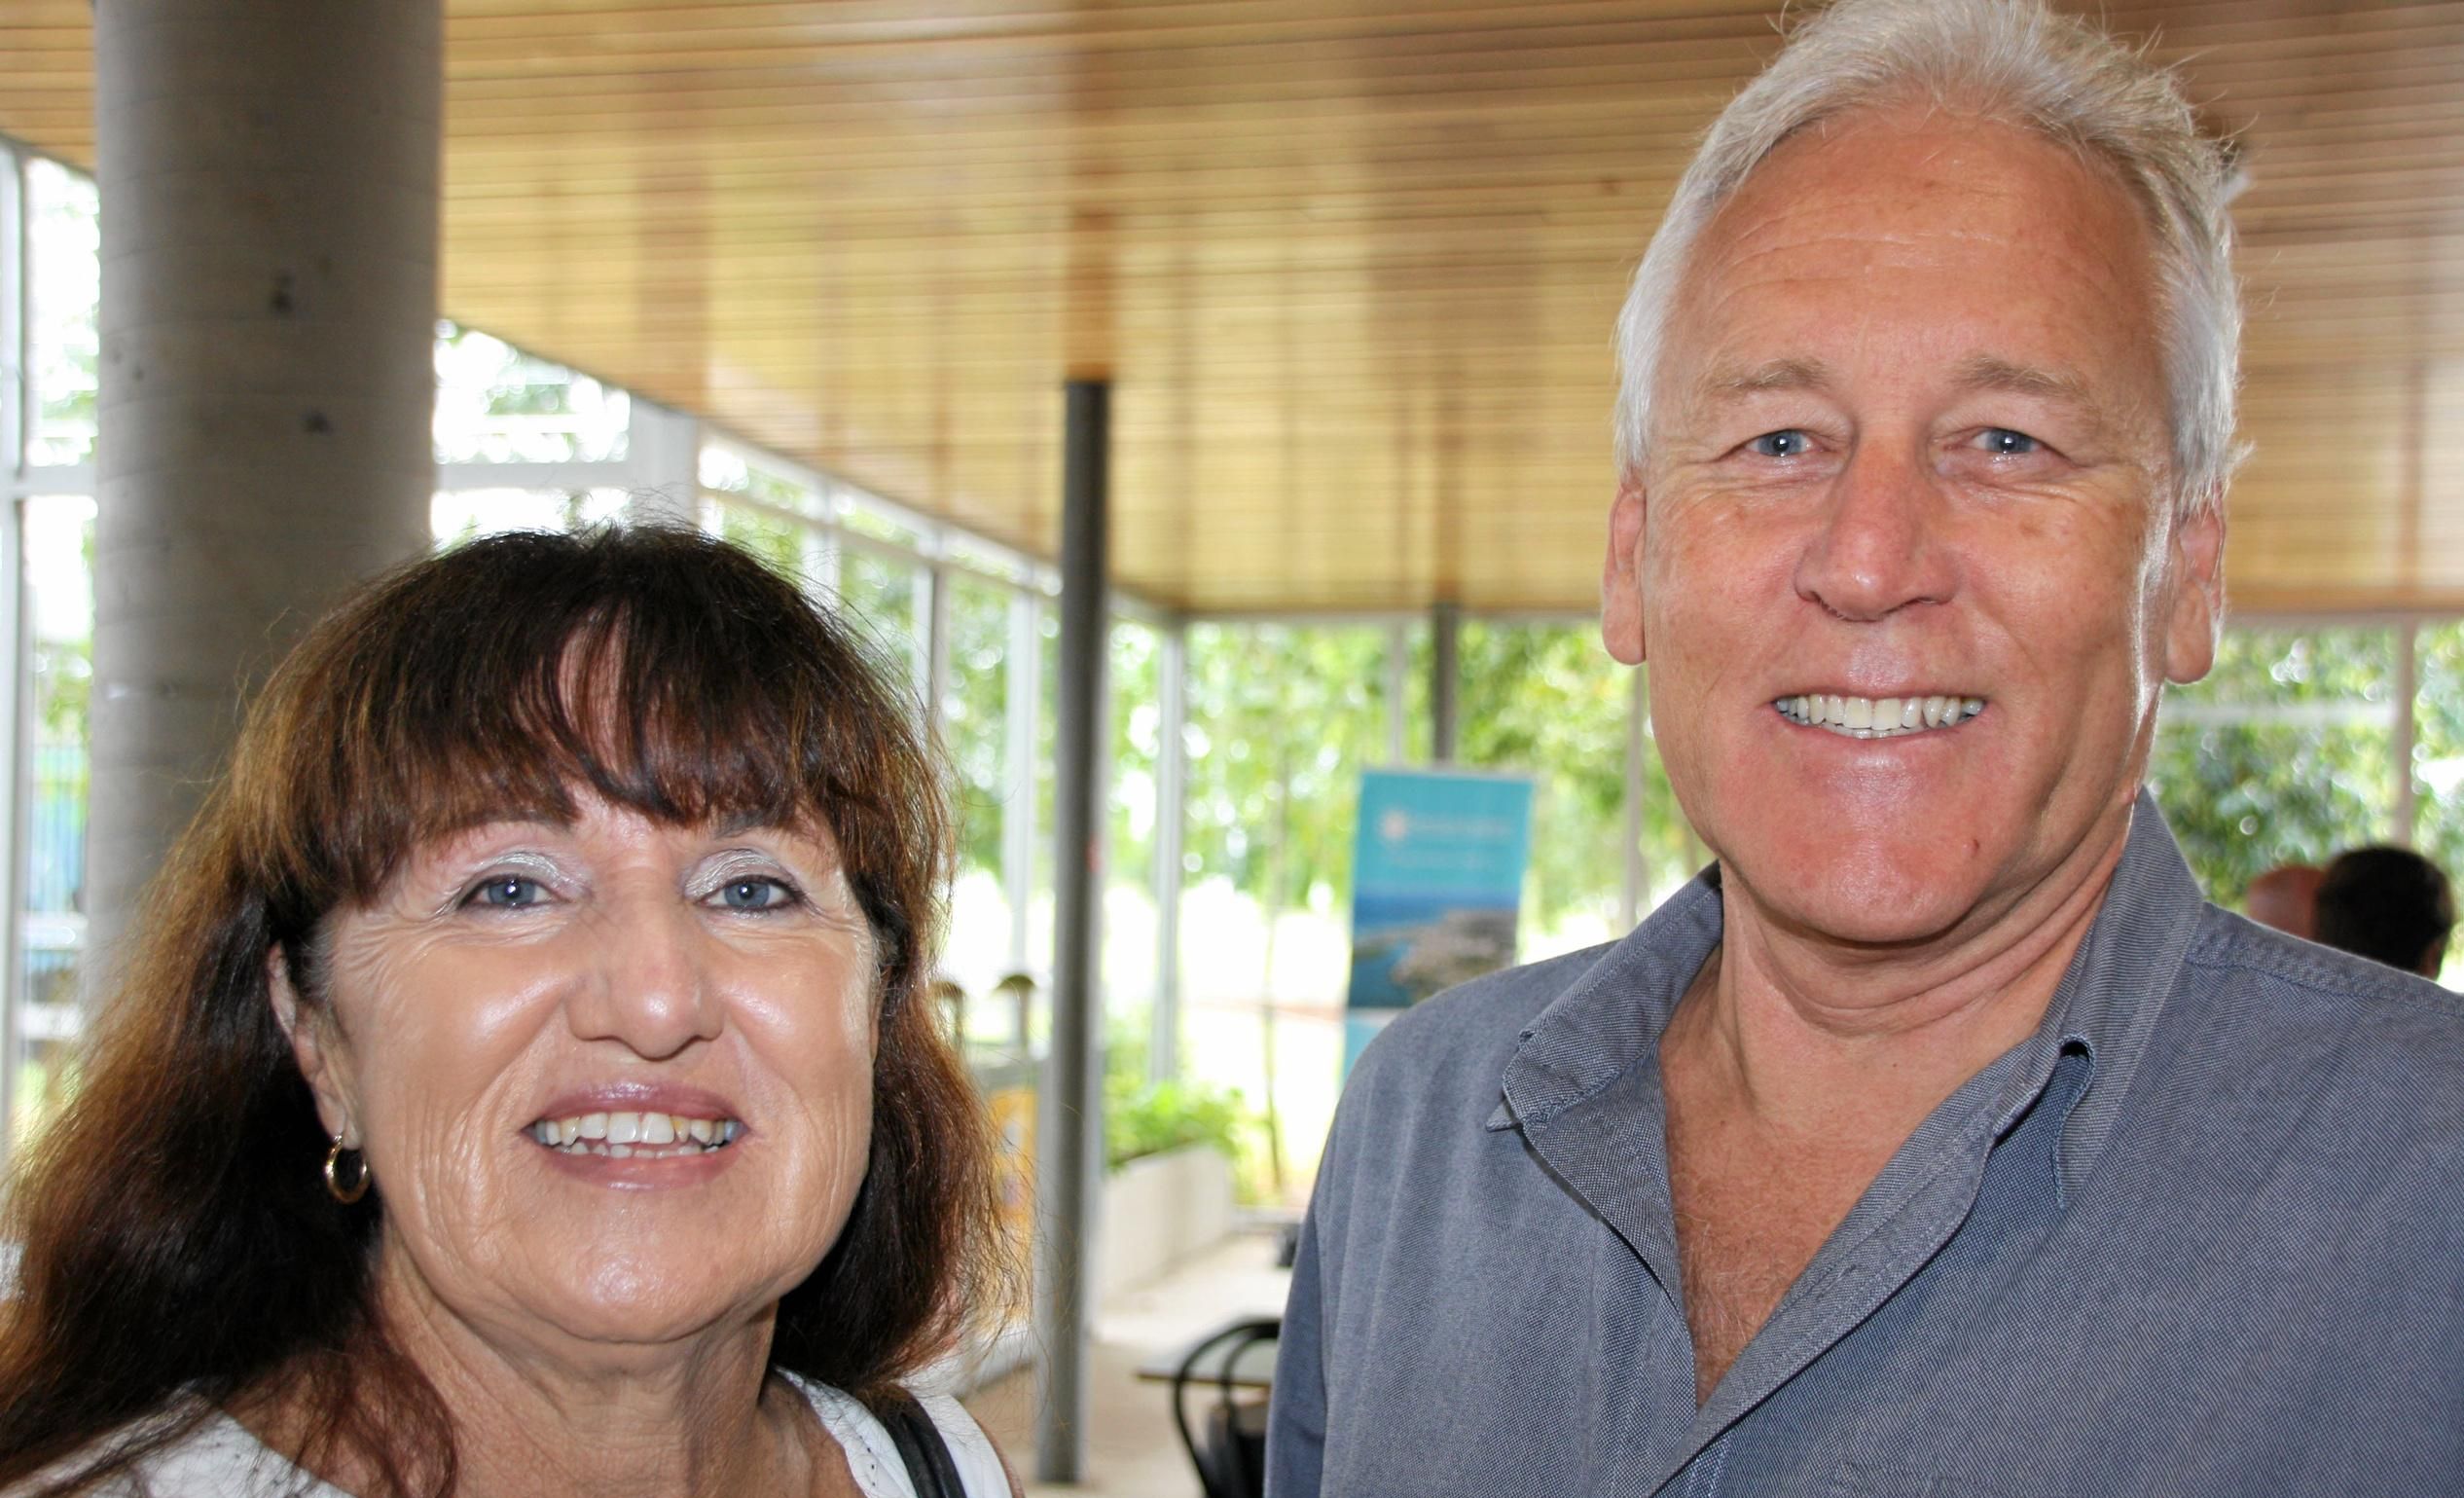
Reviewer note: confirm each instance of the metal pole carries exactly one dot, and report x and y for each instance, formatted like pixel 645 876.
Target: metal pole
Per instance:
pixel 1445 625
pixel 268 172
pixel 1171 807
pixel 1071 1106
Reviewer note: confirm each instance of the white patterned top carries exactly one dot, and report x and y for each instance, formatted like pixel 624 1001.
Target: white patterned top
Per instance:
pixel 221 1459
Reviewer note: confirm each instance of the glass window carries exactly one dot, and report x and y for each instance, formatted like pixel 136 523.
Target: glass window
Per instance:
pixel 1281 720
pixel 456 515
pixel 1546 700
pixel 63 288
pixel 2438 751
pixel 777 540
pixel 1132 685
pixel 58 562
pixel 887 600
pixel 495 404
pixel 726 470
pixel 2283 755
pixel 975 732
pixel 859 513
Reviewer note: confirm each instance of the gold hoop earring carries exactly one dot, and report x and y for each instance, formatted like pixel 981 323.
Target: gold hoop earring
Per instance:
pixel 358 1186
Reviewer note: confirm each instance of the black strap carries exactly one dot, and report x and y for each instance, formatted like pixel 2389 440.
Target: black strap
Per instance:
pixel 920 1445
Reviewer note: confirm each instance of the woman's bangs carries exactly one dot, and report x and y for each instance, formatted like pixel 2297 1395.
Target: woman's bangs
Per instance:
pixel 680 724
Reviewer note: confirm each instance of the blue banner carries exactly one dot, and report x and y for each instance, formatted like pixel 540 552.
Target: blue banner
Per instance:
pixel 1436 887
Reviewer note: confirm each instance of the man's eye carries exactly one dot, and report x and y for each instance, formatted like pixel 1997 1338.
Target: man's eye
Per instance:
pixel 2003 442
pixel 509 892
pixel 761 894
pixel 1789 443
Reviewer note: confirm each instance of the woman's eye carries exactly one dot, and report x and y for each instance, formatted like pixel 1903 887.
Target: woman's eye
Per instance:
pixel 755 894
pixel 1789 443
pixel 2003 442
pixel 508 892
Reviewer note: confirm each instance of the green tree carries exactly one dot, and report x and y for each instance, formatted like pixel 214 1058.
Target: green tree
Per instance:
pixel 2283 755
pixel 1547 700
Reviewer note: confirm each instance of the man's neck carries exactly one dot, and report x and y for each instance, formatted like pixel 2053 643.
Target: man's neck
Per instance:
pixel 1806 1034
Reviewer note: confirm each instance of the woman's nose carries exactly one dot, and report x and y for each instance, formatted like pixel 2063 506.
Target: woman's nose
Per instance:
pixel 649 984
pixel 1878 544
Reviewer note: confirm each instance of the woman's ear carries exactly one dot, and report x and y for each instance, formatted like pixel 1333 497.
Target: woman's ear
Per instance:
pixel 310 1029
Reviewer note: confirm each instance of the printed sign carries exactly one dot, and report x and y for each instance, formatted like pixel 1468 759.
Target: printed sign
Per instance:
pixel 1436 887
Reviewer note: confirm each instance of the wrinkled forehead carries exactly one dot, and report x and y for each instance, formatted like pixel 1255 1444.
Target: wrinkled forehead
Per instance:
pixel 1913 241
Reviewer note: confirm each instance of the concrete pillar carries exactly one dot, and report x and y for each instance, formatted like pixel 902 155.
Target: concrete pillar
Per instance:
pixel 269 171
pixel 1445 629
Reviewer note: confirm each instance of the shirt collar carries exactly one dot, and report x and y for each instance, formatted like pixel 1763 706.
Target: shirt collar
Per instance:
pixel 2108 1002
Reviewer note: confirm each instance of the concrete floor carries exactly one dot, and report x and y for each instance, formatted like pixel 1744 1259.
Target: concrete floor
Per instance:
pixel 1133 1450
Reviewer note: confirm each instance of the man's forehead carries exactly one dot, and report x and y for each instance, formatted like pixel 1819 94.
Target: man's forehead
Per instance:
pixel 2025 269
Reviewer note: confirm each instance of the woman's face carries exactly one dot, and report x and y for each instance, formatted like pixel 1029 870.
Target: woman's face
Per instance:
pixel 613 1079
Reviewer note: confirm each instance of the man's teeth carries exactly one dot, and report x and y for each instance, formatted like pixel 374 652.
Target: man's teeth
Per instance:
pixel 628 1136
pixel 1888 717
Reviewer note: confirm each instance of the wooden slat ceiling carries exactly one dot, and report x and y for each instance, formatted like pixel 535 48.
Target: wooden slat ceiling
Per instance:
pixel 1352 267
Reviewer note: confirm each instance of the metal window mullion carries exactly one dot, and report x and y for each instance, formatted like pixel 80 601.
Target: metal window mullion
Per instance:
pixel 16 764
pixel 1399 666
pixel 1023 698
pixel 936 645
pixel 1171 804
pixel 663 460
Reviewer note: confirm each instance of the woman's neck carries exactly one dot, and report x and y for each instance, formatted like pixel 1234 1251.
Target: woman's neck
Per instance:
pixel 536 1413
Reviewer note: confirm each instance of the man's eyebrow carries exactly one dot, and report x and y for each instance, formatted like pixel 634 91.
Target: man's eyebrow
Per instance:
pixel 1984 372
pixel 1777 375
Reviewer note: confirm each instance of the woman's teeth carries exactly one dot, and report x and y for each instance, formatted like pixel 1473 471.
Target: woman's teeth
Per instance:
pixel 634 1136
pixel 1890 717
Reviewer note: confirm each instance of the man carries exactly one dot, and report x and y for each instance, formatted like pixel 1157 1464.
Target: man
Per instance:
pixel 2286 898
pixel 2388 905
pixel 1941 1139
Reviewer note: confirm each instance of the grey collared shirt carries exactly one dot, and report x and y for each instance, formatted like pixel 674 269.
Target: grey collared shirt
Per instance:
pixel 2202 1233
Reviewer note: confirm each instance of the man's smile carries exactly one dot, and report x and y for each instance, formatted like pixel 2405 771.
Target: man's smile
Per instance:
pixel 1885 717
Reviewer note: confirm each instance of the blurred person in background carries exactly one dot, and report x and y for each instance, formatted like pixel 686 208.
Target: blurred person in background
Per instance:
pixel 2388 905
pixel 2285 898
pixel 525 1080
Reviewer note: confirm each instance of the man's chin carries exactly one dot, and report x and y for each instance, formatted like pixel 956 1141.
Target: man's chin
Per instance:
pixel 1860 902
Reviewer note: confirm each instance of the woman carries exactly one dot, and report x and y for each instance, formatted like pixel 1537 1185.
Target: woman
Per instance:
pixel 523 1080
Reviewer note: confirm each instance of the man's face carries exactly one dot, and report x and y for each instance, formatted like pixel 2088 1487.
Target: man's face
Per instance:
pixel 1910 441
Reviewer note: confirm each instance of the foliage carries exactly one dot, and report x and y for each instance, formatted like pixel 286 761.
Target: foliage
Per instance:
pixel 2282 755
pixel 1546 699
pixel 1281 718
pixel 1142 1118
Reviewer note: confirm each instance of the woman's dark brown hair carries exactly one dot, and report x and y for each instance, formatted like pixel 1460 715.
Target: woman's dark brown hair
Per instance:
pixel 180 1249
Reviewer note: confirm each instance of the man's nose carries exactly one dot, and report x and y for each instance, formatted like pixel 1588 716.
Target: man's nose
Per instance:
pixel 1878 545
pixel 649 986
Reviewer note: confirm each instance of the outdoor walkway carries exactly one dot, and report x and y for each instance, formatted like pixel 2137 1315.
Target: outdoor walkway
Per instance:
pixel 1132 1449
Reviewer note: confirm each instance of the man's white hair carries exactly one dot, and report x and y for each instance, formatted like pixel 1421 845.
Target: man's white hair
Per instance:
pixel 2017 61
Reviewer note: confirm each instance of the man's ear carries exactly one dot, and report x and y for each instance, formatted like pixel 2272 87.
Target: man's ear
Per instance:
pixel 314 1044
pixel 2197 615
pixel 1621 577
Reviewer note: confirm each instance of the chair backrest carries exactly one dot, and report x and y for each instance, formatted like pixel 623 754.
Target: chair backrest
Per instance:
pixel 1231 1456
